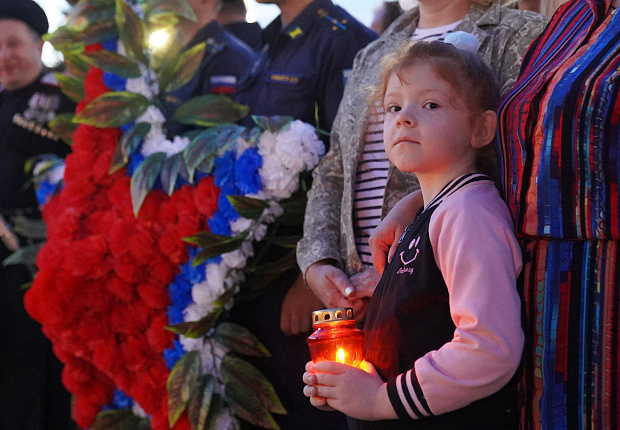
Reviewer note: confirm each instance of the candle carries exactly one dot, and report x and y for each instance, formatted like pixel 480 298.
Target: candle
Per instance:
pixel 335 337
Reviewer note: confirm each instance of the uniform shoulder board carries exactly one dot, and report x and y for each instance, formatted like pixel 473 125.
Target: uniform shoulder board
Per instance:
pixel 213 46
pixel 333 18
pixel 49 79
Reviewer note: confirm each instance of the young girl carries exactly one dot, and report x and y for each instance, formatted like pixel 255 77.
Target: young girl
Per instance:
pixel 443 330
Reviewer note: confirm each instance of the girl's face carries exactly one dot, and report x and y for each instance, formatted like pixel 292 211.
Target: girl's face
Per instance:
pixel 427 125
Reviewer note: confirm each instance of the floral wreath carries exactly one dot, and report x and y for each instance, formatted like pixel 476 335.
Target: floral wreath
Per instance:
pixel 149 238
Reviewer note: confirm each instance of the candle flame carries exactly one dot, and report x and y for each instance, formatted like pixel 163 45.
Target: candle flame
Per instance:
pixel 340 355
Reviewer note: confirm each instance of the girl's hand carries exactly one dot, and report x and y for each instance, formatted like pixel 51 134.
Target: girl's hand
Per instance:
pixel 384 238
pixel 358 393
pixel 310 379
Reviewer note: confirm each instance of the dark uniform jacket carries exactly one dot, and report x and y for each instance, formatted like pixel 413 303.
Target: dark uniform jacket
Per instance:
pixel 306 65
pixel 28 369
pixel 24 115
pixel 225 68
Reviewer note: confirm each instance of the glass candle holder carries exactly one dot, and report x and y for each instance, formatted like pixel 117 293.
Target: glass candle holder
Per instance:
pixel 335 337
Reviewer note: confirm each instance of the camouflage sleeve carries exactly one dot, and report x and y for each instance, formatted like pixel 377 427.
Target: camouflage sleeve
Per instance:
pixel 526 27
pixel 321 239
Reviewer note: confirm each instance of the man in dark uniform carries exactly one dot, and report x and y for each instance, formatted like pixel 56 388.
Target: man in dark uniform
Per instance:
pixel 34 398
pixel 232 17
pixel 226 64
pixel 309 51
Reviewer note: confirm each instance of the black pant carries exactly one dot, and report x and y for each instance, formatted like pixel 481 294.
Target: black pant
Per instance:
pixel 33 395
pixel 289 355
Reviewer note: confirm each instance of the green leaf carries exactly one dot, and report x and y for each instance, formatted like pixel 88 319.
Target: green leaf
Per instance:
pixel 281 265
pixel 283 241
pixel 294 209
pixel 72 87
pixel 248 207
pixel 98 32
pixel 202 151
pixel 240 340
pixel 76 64
pixel 25 255
pixel 144 178
pixel 63 126
pixel 238 372
pixel 245 405
pixel 210 110
pixel 128 143
pixel 213 244
pixel 180 384
pixel 48 162
pixel 113 109
pixel 92 22
pixel 155 9
pixel 225 298
pixel 272 123
pixel 131 31
pixel 215 414
pixel 196 329
pixel 65 40
pixel 199 404
pixel 87 13
pixel 182 69
pixel 112 62
pixel 170 173
pixel 30 228
pixel 120 419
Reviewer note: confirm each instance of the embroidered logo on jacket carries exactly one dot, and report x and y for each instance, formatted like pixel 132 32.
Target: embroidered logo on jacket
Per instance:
pixel 407 257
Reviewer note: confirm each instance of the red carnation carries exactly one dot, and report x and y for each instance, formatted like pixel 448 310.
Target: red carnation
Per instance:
pixel 153 296
pixel 141 245
pixel 159 338
pixel 171 245
pixel 121 289
pixel 205 197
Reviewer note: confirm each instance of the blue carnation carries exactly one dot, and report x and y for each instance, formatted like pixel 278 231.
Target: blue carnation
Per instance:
pixel 180 292
pixel 247 178
pixel 44 191
pixel 122 400
pixel 135 159
pixel 114 82
pixel 224 205
pixel 110 44
pixel 172 355
pixel 218 224
pixel 224 170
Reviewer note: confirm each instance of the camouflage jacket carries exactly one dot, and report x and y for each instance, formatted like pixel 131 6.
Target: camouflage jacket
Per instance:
pixel 504 35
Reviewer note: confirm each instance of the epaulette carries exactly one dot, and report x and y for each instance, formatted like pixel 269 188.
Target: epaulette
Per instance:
pixel 49 79
pixel 332 19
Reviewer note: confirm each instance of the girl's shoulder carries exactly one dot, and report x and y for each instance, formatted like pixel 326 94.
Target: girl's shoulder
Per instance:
pixel 475 203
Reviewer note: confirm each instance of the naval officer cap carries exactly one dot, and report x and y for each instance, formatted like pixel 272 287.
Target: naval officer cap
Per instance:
pixel 27 11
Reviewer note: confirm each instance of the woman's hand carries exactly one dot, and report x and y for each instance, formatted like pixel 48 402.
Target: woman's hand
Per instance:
pixel 330 284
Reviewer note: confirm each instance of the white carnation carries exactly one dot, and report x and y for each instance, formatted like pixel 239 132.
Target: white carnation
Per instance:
pixel 153 145
pixel 260 232
pixel 313 147
pixel 138 411
pixel 289 150
pixel 239 225
pixel 266 143
pixel 53 176
pixel 235 259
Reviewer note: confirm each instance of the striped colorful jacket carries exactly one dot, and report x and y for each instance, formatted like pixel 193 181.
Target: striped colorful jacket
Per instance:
pixel 560 154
